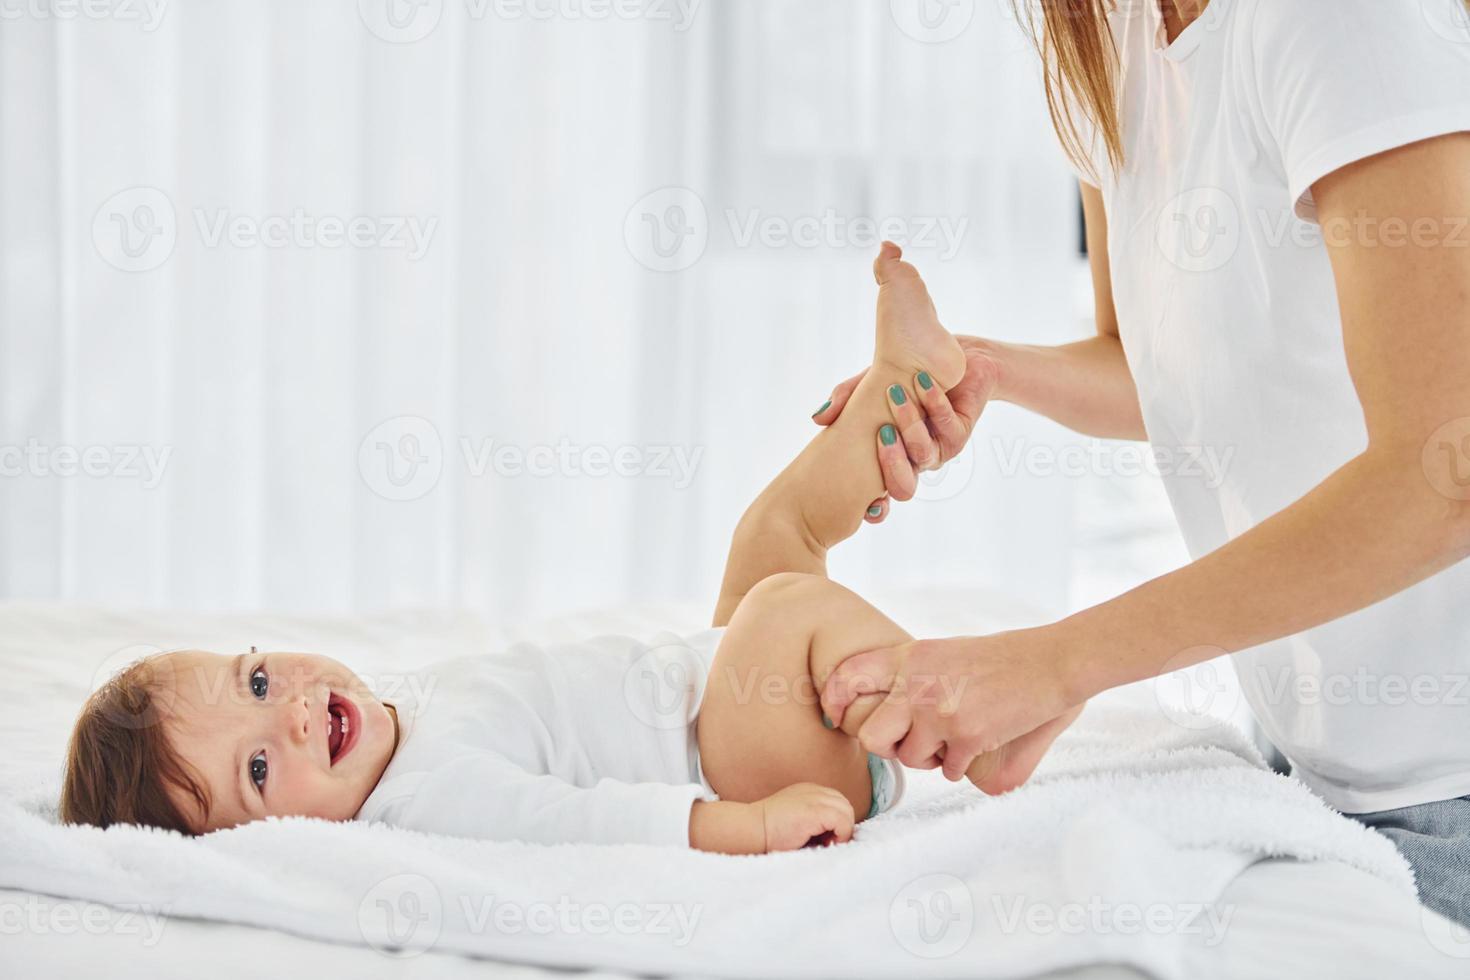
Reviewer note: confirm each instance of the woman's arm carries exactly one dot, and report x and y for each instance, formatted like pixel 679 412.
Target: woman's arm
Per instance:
pixel 1086 385
pixel 1389 518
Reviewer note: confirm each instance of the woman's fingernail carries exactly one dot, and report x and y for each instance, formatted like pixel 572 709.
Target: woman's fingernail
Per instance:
pixel 825 405
pixel 888 434
pixel 827 722
pixel 925 381
pixel 896 393
pixel 875 510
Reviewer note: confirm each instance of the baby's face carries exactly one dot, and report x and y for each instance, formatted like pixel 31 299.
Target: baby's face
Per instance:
pixel 276 734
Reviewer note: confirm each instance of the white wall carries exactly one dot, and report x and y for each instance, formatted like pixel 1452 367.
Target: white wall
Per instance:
pixel 525 148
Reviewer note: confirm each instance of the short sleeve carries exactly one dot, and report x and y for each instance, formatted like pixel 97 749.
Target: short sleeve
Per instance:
pixel 1342 80
pixel 483 795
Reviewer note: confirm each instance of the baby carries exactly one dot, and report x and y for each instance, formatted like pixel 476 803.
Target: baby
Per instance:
pixel 714 741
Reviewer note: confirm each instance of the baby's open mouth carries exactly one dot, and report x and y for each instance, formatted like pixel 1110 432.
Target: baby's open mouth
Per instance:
pixel 343 723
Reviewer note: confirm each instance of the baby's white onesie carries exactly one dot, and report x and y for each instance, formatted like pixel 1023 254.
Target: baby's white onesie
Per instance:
pixel 592 741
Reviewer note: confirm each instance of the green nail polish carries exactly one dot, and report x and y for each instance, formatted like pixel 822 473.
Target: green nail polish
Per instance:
pixel 896 393
pixel 875 510
pixel 888 435
pixel 925 381
pixel 825 405
pixel 827 723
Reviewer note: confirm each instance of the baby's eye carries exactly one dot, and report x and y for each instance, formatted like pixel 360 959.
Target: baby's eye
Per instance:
pixel 259 683
pixel 258 770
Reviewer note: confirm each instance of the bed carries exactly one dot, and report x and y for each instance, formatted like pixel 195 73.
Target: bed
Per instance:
pixel 1288 917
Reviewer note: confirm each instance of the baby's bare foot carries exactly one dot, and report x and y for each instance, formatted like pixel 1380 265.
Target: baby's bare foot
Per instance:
pixel 910 336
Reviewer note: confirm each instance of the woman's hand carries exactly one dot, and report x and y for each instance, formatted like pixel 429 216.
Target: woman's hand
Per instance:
pixel 799 813
pixel 932 428
pixel 951 701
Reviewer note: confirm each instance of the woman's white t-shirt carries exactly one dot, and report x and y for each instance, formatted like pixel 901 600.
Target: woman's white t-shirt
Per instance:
pixel 1229 319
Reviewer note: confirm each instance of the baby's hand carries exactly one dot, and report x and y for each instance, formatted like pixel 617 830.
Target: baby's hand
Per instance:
pixel 798 813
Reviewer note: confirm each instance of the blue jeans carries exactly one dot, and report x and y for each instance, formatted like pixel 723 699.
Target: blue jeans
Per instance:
pixel 1435 838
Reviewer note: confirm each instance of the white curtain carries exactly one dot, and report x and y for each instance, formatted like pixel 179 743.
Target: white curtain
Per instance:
pixel 332 306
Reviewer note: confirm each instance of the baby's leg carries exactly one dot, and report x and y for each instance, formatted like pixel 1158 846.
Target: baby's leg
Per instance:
pixel 820 498
pixel 760 726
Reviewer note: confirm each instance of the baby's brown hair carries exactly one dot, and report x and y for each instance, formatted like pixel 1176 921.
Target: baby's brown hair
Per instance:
pixel 120 764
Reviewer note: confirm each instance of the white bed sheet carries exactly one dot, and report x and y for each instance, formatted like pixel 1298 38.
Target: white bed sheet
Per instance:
pixel 1291 919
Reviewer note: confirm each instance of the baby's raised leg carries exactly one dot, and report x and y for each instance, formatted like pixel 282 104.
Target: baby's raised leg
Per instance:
pixel 820 498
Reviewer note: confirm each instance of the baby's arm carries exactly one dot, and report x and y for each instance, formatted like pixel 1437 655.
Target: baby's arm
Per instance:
pixel 784 821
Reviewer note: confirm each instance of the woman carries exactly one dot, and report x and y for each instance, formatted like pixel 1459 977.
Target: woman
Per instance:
pixel 1330 353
